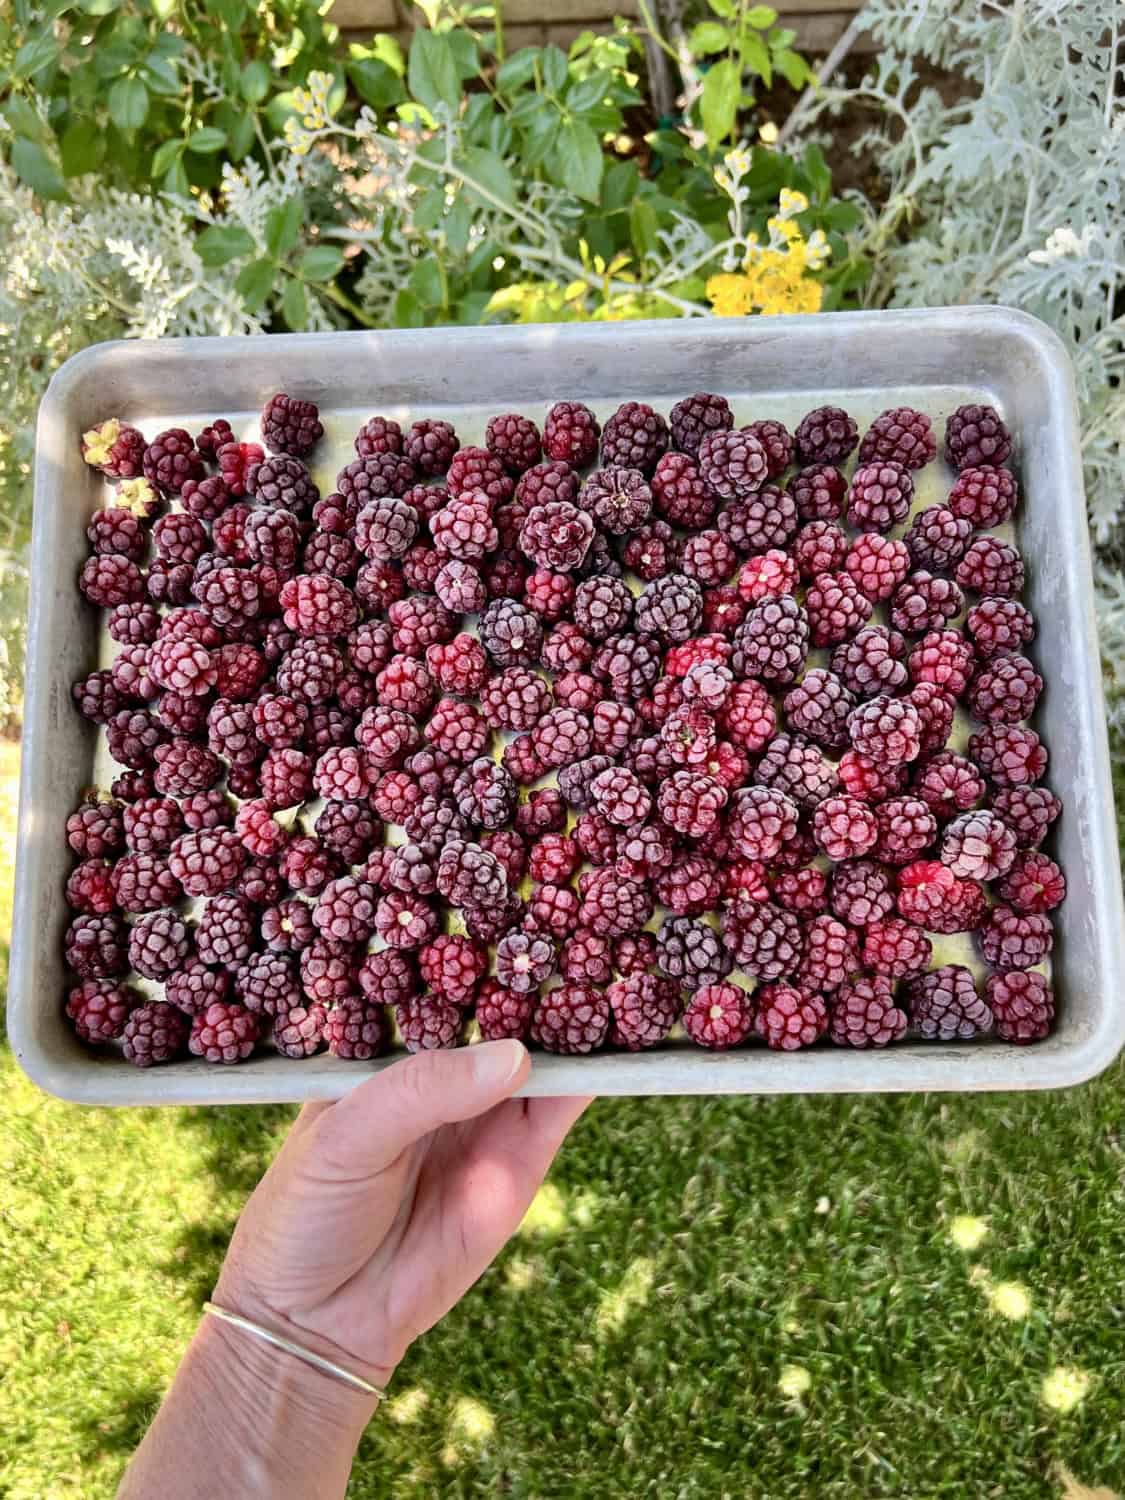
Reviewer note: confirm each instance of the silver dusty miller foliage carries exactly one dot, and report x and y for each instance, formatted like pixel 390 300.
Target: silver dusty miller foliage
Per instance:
pixel 1012 195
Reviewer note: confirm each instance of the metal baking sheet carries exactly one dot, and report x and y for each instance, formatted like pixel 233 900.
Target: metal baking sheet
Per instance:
pixel 934 359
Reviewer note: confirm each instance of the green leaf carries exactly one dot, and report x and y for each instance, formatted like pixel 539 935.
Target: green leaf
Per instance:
pixel 718 104
pixel 161 75
pixel 240 135
pixel 206 140
pixel 756 56
pixel 427 284
pixel 26 120
pixel 458 222
pixel 164 155
pixel 254 284
pixel 843 217
pixel 283 225
pixel 81 149
pixel 487 168
pixel 295 305
pixel 321 262
pixel 386 49
pixel 466 53
pixel 408 311
pixel 220 243
pixel 255 81
pixel 35 167
pixel 376 83
pixel 792 67
pixel 432 75
pixel 554 69
pixel 176 179
pixel 585 93
pixel 517 70
pixel 128 103
pixel 643 224
pixel 232 12
pixel 99 7
pixel 724 8
pixel 622 181
pixel 35 54
pixel 817 171
pixel 708 37
pixel 760 17
pixel 577 160
pixel 429 208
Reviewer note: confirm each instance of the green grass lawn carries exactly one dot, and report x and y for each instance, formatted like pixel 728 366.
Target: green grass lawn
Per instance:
pixel 907 1297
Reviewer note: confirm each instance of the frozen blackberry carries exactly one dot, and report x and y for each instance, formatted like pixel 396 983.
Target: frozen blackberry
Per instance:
pixel 634 954
pixel 634 437
pixel 230 732
pixel 291 426
pixel 690 951
pixel 602 607
pixel 764 940
pixel 613 905
pixel 279 720
pixel 110 580
pixel 382 435
pixel 719 1016
pixel 724 609
pixel 287 927
pixel 709 558
pixel 387 735
pixel 936 710
pixel 906 828
pixel 328 972
pixel 357 1030
pixel 134 737
pixel 820 547
pixel 511 633
pixel 979 845
pixel 542 483
pixel 1029 811
pixel 620 796
pixel 1010 939
pixel 460 587
pixel 261 834
pixel 948 784
pixel 1005 690
pixel 133 624
pixel 154 1033
pixel 89 887
pixel 501 1013
pixel 374 477
pixel 506 574
pixel 880 496
pixel 991 566
pixel 229 595
pixel 385 527
pixel 864 1014
pixel 345 910
pixel 802 891
pixel 831 954
pixel 206 862
pixel 184 715
pixel 691 803
pixel 696 417
pixel 515 441
pixel 999 626
pixel 861 892
pixel 825 435
pixel 556 535
pixel 570 434
pixel 793 765
pixel 877 565
pixel 943 658
pixel 479 473
pixel 298 1030
pixel 789 1018
pixel 818 707
pixel 145 882
pixel 1034 883
pixel 429 444
pixel 870 663
pixel 524 961
pixel 224 1033
pixel 900 435
pixel 543 812
pixel 974 435
pixel 260 882
pixel 115 448
pixel 757 522
pixel 597 839
pixel 896 949
pixel 937 539
pixel 469 875
pixel 551 595
pixel 117 530
pixel 845 828
pixel 268 983
pixel 285 778
pixel 983 497
pixel 131 672
pixel 644 1008
pixel 619 499
pixel 97 828
pixel 945 1006
pixel 819 493
pixel 689 734
pixel 100 1009
pixel 772 643
pixel 207 498
pixel 151 824
pixel 129 785
pixel 651 551
pixel 888 730
pixel 572 1018
pixel 337 556
pixel 749 717
pixel 1022 1004
pixel 733 464
pixel 587 958
pixel 628 664
pixel 777 441
pixel 766 576
pixel 316 605
pixel 342 774
pixel 1009 755
pixel 485 793
pixel 285 482
pixel 96 947
pixel 931 896
pixel 170 459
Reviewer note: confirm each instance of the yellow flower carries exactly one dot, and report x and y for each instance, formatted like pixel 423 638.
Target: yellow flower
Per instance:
pixel 730 294
pixel 98 441
pixel 789 203
pixel 138 496
pixel 311 113
pixel 817 250
pixel 737 162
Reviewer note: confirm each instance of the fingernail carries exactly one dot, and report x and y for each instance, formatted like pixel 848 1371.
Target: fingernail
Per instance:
pixel 496 1063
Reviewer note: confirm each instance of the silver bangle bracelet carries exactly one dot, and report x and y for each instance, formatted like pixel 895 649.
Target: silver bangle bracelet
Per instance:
pixel 349 1377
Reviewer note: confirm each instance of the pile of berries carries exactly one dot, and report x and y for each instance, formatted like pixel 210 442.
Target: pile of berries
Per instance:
pixel 581 735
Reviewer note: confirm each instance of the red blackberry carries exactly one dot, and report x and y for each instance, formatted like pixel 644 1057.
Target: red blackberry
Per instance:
pixel 542 483
pixel 768 576
pixel 886 729
pixel 948 784
pixel 818 707
pixel 899 435
pixel 469 875
pixel 279 720
pixel 708 685
pixel 110 580
pixel 501 1013
pixel 734 464
pixel 224 1033
pixel 943 658
pixel 877 565
pixel 180 538
pixel 896 949
pixel 389 977
pixel 945 1006
pixel 652 550
pixel 551 595
pixel 820 547
pixel 1005 690
pixel 789 1018
pixel 285 778
pixel 380 435
pixel 689 734
pixel 613 905
pixel 430 445
pixel 336 556
pixel 403 920
pixel 869 664
pixel 634 953
pixel 154 1033
pixel 621 797
pixel 479 473
pixel 861 892
pixel 634 437
pixel 460 587
pixel 328 973
pixel 586 958
pixel 385 527
pixel 1015 940
pixel 1034 883
pixel 114 448
pixel 845 828
pixel 97 829
pixel 689 951
pixel 225 934
pixel 524 961
pixel 719 1016
pixel 133 624
pixel 129 785
pixel 1009 755
pixel 976 435
pixel 764 940
pixel 357 1030
pixel 691 803
pixel 819 493
pixel 906 828
pixel 543 812
pixel 145 882
pixel 880 495
pixel 1029 811
pixel 936 710
pixel 571 433
pixel 831 954
pixel 777 441
pixel 758 522
pixel 515 441
pixel 925 889
pixel 453 966
pixel 696 417
pixel 991 566
pixel 802 891
pixel 151 824
pixel 825 435
pixel 100 1009
pixel 488 924
pixel 644 1008
pixel 864 1014
pixel 96 947
pixel 1022 1004
pixel 574 1018
pixel 999 626
pixel 131 670
pixel 598 840
pixel 772 643
pixel 979 845
pixel 298 1030
pixel 983 497
pixel 184 715
pixel 556 535
pixel 316 605
pixel 291 426
pixel 261 834
pixel 89 888
pixel 170 459
pixel 117 530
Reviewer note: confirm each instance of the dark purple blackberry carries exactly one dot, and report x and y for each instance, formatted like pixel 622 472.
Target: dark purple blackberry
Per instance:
pixel 561 737
pixel 377 476
pixel 763 940
pixel 158 944
pixel 460 587
pixel 825 435
pixel 870 663
pixel 845 828
pixel 899 435
pixel 696 417
pixel 134 737
pixel 1005 690
pixel 337 556
pixel 229 595
pixel 864 1014
pixel 613 905
pixel 96 829
pixel 586 958
pixel 820 547
pixel 109 580
pixel 937 539
pixel 117 530
pixel 170 583
pixel 999 626
pixel 206 498
pixel 328 972
pixel 945 1006
pixel 651 551
pixel 862 892
pixel 310 671
pixel 681 496
pixel 288 926
pixel 792 764
pixel 710 559
pixel 170 459
pixel 645 1008
pixel 469 875
pixel 759 821
pixel 634 437
pixel 907 828
pixel 621 797
pixel 772 643
pixel 556 535
pixel 619 499
pixel 976 435
pixel 100 1009
pixel 511 633
pixel 180 538
pixel 429 445
pixel 184 715
pixel 514 440
pixel 777 440
pixel 691 952
pixel 1009 755
pixel 669 608
pixel 543 812
pixel 268 983
pixel 291 426
pixel 819 492
pixel 382 435
pixel 571 433
pixel 991 566
pixel 925 602
pixel 836 608
pixel 96 947
pixel 485 793
pixel 283 482
pixel 948 784
pixel 151 824
pixel 154 1033
pixel 478 473
pixel 831 954
pixel 1029 811
pixel 757 522
pixel 97 699
pixel 543 482
pixel 285 778
pixel 515 699
pixel 1012 939
pixel 733 464
pixel 385 527
pixel 1023 1006
pixel 880 496
pixel 345 910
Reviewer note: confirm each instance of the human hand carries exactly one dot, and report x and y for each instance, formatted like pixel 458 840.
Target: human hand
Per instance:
pixel 383 1208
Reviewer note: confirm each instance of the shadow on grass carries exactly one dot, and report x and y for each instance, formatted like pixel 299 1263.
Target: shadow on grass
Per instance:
pixel 117 1422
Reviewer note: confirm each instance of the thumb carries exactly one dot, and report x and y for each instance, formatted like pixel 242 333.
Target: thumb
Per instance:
pixel 368 1129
